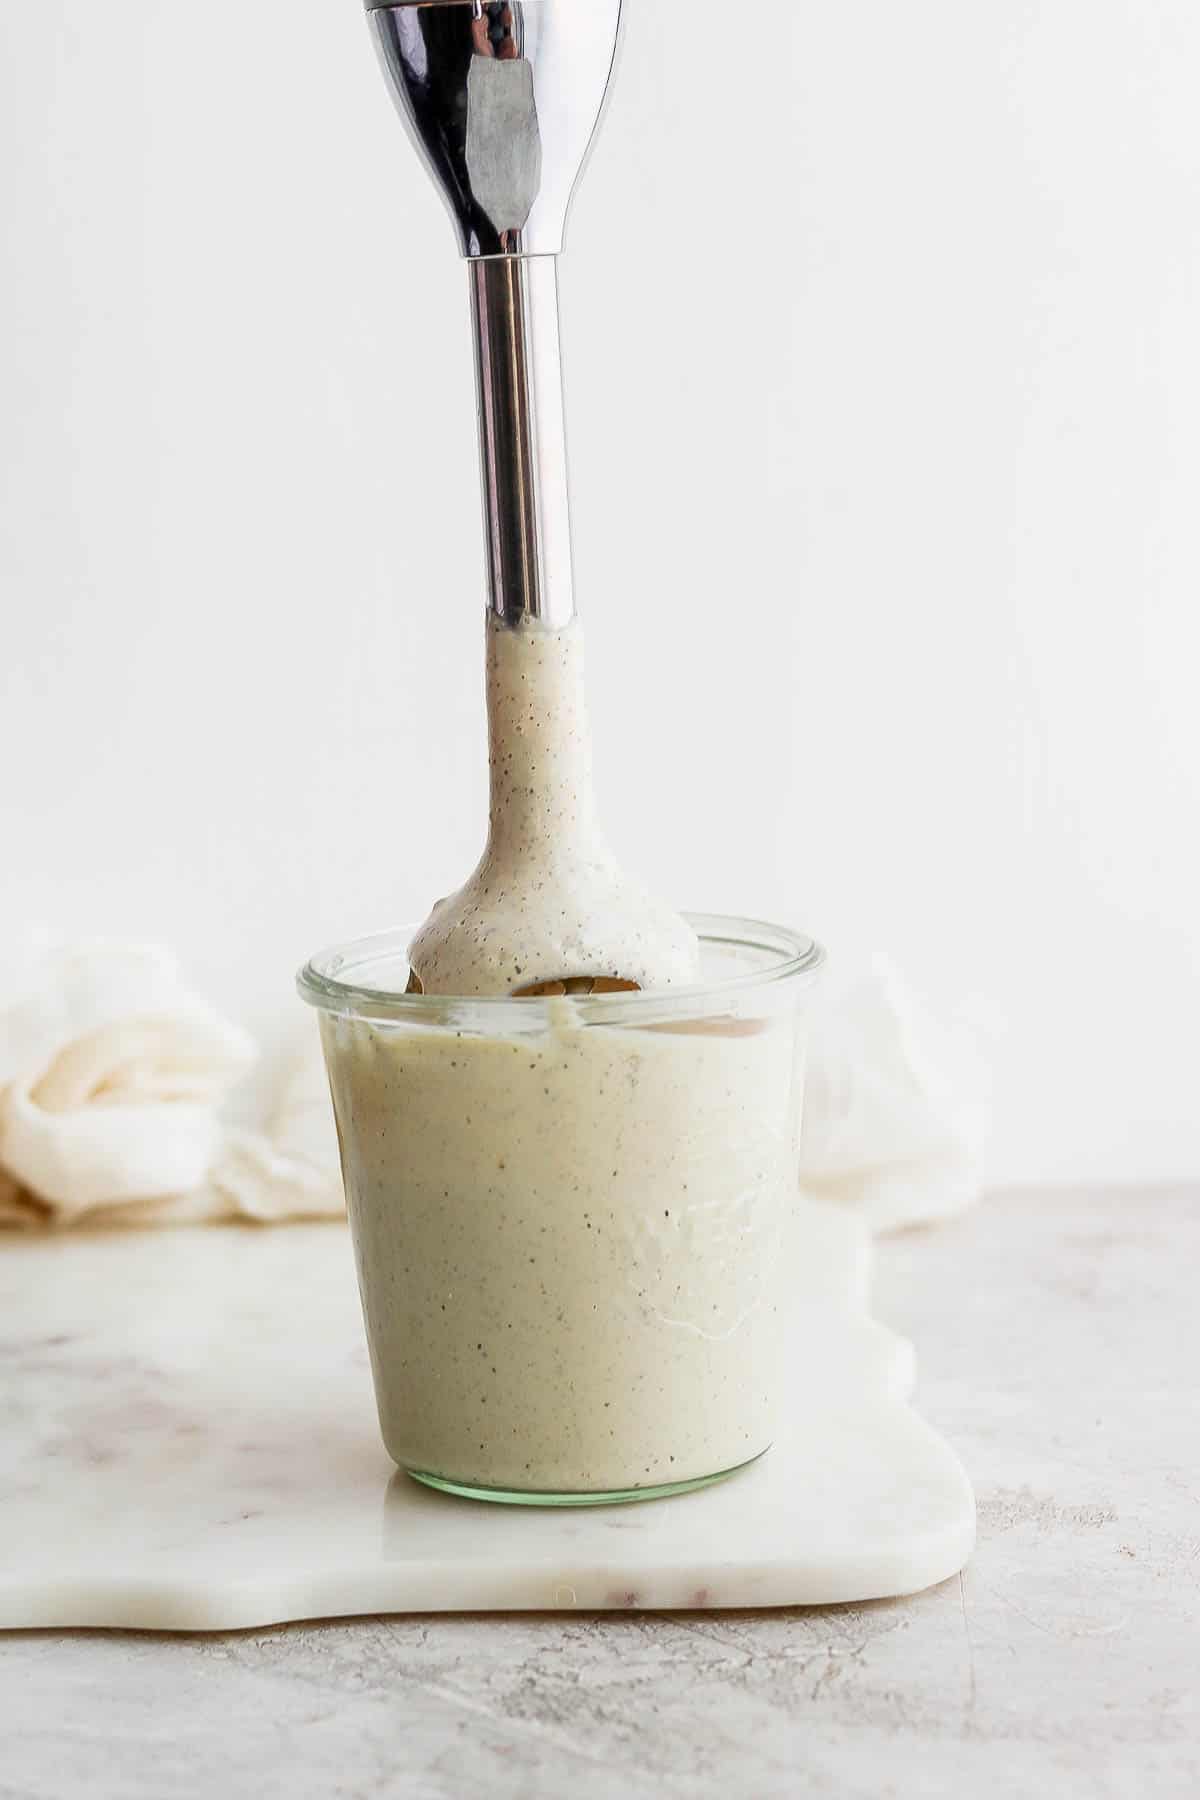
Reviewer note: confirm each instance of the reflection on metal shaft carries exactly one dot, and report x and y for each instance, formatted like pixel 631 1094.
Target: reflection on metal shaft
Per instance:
pixel 501 100
pixel 522 443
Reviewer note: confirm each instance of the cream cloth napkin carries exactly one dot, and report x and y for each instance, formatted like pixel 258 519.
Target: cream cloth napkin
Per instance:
pixel 113 1075
pixel 897 1104
pixel 112 1079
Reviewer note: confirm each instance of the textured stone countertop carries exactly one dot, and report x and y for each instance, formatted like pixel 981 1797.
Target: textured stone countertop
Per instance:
pixel 1059 1351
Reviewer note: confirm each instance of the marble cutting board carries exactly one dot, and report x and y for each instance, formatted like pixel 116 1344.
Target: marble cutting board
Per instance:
pixel 190 1443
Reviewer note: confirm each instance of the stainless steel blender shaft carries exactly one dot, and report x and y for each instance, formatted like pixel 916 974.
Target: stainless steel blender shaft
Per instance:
pixel 522 438
pixel 502 99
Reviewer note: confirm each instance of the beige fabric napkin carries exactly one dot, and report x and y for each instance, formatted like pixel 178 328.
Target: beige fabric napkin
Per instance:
pixel 897 1103
pixel 113 1076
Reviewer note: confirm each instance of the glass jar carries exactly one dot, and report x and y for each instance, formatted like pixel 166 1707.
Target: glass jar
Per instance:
pixel 568 1215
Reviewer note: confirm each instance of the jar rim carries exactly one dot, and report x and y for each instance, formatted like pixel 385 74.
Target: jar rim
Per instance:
pixel 330 980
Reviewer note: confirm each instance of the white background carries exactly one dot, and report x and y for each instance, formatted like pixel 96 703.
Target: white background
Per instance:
pixel 883 337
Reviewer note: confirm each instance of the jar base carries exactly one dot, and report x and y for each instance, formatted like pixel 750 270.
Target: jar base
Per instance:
pixel 607 1497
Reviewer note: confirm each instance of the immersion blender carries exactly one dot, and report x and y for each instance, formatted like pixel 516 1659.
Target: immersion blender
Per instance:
pixel 502 101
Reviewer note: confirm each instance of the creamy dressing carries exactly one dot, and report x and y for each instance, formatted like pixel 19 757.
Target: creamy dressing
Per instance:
pixel 548 898
pixel 568 1244
pixel 567 1233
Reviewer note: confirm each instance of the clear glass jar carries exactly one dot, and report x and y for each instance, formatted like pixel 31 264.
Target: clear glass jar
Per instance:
pixel 568 1215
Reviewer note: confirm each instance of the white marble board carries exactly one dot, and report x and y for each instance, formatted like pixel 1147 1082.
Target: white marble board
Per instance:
pixel 190 1443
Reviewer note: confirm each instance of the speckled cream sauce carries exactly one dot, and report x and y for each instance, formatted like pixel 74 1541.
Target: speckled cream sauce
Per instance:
pixel 566 1233
pixel 548 898
pixel 568 1243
